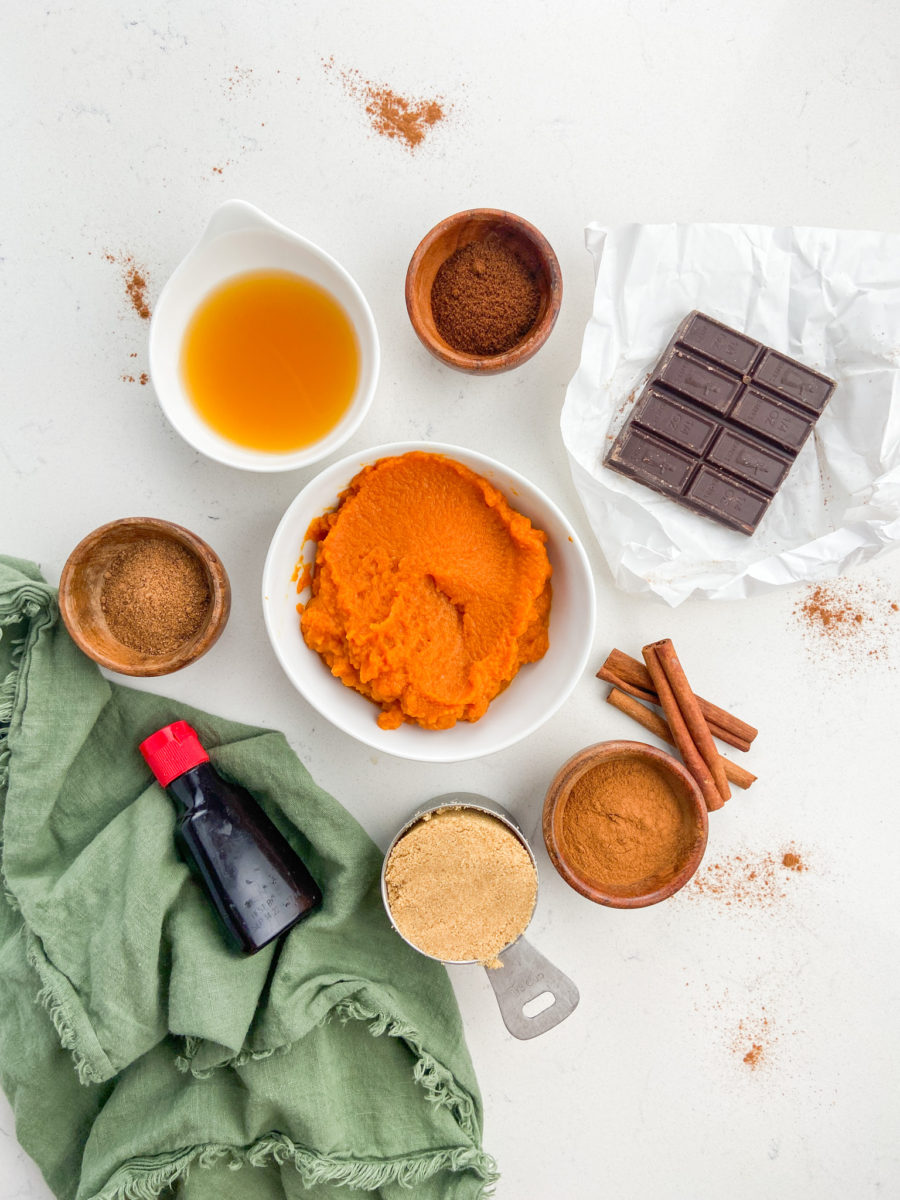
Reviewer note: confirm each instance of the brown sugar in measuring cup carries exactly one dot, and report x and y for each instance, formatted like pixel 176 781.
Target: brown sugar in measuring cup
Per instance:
pixel 625 824
pixel 477 911
pixel 461 886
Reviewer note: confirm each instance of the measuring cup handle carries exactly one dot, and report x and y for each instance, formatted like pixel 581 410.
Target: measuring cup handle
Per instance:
pixel 524 976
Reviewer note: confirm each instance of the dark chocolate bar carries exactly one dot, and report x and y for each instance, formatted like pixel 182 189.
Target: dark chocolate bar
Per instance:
pixel 720 422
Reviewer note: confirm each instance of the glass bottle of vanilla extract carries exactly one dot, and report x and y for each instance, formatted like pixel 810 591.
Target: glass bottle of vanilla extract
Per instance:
pixel 258 886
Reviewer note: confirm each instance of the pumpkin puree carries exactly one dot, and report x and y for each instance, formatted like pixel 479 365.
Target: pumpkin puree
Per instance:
pixel 428 592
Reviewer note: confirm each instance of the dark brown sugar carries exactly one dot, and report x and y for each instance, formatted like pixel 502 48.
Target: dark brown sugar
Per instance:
pixel 484 299
pixel 154 596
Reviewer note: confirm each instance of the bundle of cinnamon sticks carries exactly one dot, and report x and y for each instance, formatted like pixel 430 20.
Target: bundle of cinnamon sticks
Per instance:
pixel 688 722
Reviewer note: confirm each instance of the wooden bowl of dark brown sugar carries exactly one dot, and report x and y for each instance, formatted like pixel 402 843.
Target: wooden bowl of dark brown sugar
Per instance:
pixel 483 291
pixel 142 596
pixel 625 824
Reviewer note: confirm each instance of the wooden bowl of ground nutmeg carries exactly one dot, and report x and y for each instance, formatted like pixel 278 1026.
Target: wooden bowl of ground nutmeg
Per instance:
pixel 483 291
pixel 625 824
pixel 143 596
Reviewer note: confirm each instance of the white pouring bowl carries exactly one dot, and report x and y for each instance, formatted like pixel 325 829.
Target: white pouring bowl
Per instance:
pixel 239 238
pixel 537 691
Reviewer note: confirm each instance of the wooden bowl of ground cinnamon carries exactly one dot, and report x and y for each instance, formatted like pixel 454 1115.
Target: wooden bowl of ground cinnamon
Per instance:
pixel 143 596
pixel 483 291
pixel 625 824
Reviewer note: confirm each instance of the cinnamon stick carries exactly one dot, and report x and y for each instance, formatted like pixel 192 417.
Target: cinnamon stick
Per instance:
pixel 675 702
pixel 676 693
pixel 629 675
pixel 653 722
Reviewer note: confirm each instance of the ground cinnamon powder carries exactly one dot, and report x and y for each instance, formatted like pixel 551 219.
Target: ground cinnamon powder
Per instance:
pixel 754 1040
pixel 391 115
pixel 135 284
pixel 154 596
pixel 484 299
pixel 461 886
pixel 754 881
pixel 754 1055
pixel 855 620
pixel 624 822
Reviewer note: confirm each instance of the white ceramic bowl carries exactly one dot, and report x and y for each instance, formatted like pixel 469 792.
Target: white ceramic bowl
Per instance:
pixel 533 696
pixel 240 238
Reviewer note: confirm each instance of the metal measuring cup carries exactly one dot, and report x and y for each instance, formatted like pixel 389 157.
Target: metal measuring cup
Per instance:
pixel 525 974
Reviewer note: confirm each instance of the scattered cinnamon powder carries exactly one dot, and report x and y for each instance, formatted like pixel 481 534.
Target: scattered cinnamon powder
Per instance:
pixel 154 596
pixel 391 115
pixel 793 862
pixel 754 881
pixel 135 283
pixel 753 1040
pixel 754 1056
pixel 461 886
pixel 851 619
pixel 241 78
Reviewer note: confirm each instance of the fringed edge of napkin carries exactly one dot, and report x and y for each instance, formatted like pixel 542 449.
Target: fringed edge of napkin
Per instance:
pixel 148 1178
pixel 35 602
pixel 30 601
pixel 145 1179
pixel 439 1084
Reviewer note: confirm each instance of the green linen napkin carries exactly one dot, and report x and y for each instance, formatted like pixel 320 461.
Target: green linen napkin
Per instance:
pixel 155 1060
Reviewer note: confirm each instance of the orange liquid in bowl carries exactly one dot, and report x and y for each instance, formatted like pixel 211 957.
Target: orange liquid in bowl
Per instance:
pixel 271 361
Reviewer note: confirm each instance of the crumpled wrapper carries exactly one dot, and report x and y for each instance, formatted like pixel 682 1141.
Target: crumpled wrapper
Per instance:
pixel 828 297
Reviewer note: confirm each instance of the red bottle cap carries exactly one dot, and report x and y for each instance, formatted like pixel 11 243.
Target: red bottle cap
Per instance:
pixel 173 750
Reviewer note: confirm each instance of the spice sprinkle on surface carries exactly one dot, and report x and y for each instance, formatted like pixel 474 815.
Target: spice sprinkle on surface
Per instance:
pixel 851 620
pixel 392 116
pixel 136 285
pixel 752 881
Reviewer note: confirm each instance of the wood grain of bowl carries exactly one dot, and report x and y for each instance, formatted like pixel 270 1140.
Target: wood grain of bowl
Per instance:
pixel 642 892
pixel 81 585
pixel 452 234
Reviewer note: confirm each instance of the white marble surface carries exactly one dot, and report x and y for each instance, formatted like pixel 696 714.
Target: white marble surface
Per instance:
pixel 115 117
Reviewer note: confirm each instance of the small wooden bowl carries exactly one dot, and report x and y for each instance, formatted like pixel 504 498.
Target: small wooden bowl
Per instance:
pixel 653 888
pixel 81 584
pixel 449 236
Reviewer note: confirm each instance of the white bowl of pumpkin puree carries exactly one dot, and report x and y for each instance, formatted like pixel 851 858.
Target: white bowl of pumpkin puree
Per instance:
pixel 429 601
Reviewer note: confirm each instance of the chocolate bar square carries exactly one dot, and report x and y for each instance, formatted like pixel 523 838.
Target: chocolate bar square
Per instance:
pixel 720 422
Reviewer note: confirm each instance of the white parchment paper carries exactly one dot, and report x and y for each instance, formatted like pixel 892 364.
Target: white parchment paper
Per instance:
pixel 828 297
